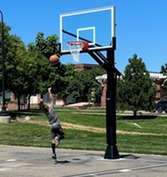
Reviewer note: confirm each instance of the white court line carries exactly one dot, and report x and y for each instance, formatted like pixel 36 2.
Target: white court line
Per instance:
pixel 125 170
pixel 5 169
pixel 149 166
pixel 11 160
pixel 117 171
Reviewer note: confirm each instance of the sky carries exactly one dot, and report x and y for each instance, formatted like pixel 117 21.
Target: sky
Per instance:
pixel 141 26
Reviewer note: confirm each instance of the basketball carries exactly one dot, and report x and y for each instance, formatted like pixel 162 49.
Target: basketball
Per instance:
pixel 54 59
pixel 86 46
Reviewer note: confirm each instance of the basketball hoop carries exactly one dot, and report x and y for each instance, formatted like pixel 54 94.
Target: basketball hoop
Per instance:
pixel 75 47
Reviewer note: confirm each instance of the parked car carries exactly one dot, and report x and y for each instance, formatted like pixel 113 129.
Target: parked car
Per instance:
pixel 162 106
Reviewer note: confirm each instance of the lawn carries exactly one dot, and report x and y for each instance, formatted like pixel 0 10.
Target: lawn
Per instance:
pixel 85 129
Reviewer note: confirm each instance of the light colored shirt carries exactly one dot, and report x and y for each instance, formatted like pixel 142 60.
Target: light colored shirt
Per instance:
pixel 51 115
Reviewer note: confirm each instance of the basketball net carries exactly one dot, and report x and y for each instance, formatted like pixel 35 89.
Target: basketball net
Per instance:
pixel 75 47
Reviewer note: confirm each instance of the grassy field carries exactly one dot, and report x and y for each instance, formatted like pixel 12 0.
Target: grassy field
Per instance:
pixel 85 129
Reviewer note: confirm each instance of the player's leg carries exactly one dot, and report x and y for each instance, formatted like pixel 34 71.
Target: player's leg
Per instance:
pixel 53 142
pixel 53 145
pixel 61 135
pixel 54 131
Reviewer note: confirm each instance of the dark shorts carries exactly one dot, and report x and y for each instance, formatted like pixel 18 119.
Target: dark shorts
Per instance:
pixel 56 130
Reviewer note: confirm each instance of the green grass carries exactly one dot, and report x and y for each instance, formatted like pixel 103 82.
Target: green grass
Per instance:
pixel 151 137
pixel 156 125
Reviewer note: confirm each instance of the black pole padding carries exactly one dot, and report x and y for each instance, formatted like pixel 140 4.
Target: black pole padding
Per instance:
pixel 3 109
pixel 111 149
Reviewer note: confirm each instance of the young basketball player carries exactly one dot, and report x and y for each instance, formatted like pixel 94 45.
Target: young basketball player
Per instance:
pixel 57 132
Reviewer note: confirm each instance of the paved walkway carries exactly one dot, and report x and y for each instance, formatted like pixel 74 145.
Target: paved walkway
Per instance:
pixel 36 162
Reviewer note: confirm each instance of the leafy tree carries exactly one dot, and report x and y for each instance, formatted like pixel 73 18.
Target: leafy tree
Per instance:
pixel 47 46
pixel 14 52
pixel 79 88
pixel 8 54
pixel 135 87
pixel 20 67
pixel 57 76
pixel 60 77
pixel 28 71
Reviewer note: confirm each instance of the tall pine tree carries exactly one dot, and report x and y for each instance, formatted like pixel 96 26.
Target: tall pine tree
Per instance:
pixel 135 90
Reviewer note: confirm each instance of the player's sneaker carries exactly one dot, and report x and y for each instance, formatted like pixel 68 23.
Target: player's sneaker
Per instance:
pixel 57 139
pixel 54 156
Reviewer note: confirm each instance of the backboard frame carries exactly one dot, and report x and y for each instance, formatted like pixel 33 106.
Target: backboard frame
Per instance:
pixel 92 29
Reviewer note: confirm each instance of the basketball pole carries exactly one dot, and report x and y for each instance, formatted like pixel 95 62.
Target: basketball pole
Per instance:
pixel 111 149
pixel 3 109
pixel 108 64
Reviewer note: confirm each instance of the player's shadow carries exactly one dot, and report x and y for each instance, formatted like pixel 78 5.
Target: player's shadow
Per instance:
pixel 129 156
pixel 62 161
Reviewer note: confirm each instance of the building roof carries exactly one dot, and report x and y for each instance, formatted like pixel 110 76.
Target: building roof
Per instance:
pixel 153 75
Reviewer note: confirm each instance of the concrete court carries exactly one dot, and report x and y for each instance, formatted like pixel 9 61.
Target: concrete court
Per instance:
pixel 36 162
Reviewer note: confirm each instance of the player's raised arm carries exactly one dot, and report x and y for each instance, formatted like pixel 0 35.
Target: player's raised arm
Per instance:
pixel 51 96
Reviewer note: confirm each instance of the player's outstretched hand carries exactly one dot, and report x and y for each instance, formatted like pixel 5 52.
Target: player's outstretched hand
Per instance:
pixel 49 89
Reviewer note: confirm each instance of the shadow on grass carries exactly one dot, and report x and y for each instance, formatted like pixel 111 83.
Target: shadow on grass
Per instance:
pixel 24 112
pixel 131 117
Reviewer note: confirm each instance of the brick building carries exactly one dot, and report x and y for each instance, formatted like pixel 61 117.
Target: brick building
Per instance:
pixel 81 67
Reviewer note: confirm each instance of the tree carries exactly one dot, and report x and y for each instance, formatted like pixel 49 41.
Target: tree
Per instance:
pixel 46 46
pixel 14 52
pixel 135 87
pixel 80 86
pixel 28 71
pixel 50 75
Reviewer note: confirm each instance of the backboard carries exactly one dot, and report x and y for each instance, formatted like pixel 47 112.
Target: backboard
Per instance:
pixel 96 26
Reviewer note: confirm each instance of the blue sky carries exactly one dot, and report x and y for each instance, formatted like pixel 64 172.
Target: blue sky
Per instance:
pixel 141 26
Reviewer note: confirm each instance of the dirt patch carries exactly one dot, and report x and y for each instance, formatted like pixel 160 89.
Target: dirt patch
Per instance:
pixel 103 130
pixel 82 127
pixel 66 125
